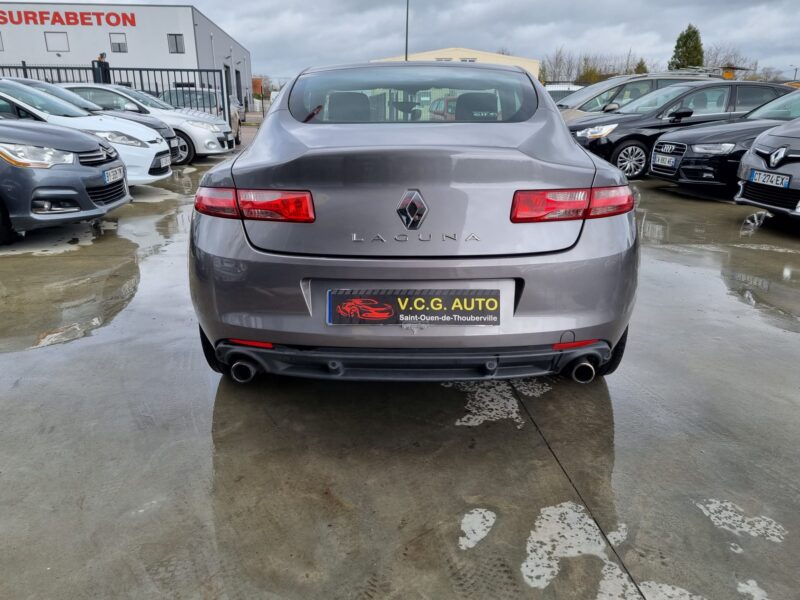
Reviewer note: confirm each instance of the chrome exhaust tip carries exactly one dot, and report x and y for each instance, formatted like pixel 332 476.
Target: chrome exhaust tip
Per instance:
pixel 243 371
pixel 583 372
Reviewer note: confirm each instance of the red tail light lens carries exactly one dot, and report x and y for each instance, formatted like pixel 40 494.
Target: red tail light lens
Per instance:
pixel 610 201
pixel 567 205
pixel 571 345
pixel 269 205
pixel 217 202
pixel 251 343
pixel 549 205
pixel 256 205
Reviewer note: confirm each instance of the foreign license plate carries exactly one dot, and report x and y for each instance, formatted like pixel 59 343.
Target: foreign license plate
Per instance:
pixel 165 161
pixel 114 174
pixel 414 307
pixel 773 179
pixel 663 161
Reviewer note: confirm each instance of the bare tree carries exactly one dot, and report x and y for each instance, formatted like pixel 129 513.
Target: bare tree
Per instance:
pixel 728 55
pixel 503 50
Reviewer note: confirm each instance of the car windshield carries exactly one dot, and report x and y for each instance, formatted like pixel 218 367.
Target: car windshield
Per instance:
pixel 65 95
pixel 41 101
pixel 654 100
pixel 785 108
pixel 401 94
pixel 589 92
pixel 146 99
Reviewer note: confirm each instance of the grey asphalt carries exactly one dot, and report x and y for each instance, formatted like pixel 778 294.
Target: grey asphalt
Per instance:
pixel 129 470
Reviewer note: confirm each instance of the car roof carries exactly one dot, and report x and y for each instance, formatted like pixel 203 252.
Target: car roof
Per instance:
pixel 713 82
pixel 416 63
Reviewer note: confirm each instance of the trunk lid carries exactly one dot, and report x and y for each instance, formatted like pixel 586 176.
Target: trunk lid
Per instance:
pixel 464 173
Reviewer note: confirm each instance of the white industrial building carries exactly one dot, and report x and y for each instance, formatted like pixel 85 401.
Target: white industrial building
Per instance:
pixel 131 36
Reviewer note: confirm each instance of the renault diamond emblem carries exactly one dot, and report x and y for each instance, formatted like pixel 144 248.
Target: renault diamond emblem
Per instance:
pixel 412 209
pixel 776 157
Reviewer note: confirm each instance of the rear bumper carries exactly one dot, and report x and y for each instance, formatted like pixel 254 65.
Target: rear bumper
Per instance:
pixel 586 292
pixel 457 364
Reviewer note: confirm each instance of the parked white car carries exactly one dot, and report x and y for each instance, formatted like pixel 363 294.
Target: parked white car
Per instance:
pixel 208 101
pixel 200 134
pixel 145 154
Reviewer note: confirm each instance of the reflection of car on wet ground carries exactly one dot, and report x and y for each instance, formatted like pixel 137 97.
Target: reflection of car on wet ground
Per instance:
pixel 505 249
pixel 144 152
pixel 770 171
pixel 52 175
pixel 709 155
pixel 625 137
pixel 200 134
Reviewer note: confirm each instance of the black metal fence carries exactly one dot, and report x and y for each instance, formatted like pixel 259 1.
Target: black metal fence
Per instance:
pixel 204 90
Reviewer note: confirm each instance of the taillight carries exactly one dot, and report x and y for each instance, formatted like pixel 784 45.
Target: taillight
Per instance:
pixel 531 206
pixel 269 205
pixel 256 205
pixel 217 202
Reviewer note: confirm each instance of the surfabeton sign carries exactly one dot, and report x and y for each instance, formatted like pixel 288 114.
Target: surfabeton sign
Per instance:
pixel 68 18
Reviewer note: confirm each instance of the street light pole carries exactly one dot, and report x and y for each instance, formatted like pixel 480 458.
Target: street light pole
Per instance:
pixel 795 67
pixel 407 2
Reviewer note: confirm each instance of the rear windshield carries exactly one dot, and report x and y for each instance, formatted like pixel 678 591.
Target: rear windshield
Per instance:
pixel 412 93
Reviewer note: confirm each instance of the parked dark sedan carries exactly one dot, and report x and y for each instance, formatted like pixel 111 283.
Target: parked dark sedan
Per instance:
pixel 164 130
pixel 626 136
pixel 709 155
pixel 770 172
pixel 51 175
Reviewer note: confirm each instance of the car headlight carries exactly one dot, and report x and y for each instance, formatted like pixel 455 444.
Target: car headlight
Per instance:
pixel 600 131
pixel 726 148
pixel 117 137
pixel 35 157
pixel 205 125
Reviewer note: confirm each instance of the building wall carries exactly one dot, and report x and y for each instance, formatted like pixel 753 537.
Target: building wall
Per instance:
pixel 469 55
pixel 146 36
pixel 224 51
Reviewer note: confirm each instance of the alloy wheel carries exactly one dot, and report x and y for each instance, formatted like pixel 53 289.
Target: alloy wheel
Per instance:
pixel 632 160
pixel 183 151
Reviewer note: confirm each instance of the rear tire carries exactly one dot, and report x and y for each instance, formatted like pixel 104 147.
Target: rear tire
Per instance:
pixel 631 159
pixel 7 233
pixel 211 356
pixel 186 150
pixel 616 356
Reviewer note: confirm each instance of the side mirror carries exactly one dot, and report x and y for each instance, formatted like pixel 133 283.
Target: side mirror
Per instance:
pixel 611 107
pixel 130 107
pixel 683 113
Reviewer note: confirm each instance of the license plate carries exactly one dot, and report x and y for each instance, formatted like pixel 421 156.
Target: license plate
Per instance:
pixel 414 307
pixel 165 161
pixel 229 137
pixel 173 143
pixel 773 179
pixel 114 174
pixel 663 161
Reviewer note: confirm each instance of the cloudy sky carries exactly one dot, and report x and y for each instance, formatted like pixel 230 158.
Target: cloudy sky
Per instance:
pixel 284 36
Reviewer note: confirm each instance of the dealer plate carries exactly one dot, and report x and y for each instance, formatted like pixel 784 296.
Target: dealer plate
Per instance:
pixel 114 174
pixel 773 179
pixel 414 307
pixel 663 160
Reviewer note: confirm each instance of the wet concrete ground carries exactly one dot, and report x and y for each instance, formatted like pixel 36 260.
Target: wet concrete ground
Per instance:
pixel 128 469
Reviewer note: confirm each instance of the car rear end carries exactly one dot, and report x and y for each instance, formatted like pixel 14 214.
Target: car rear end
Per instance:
pixel 362 244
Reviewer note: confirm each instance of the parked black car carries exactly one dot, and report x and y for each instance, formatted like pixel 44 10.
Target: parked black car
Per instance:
pixel 164 130
pixel 625 137
pixel 709 155
pixel 51 175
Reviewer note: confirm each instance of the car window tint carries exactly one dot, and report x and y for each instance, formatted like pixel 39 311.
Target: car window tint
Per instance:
pixel 106 99
pixel 785 108
pixel 633 91
pixel 662 83
pixel 749 97
pixel 7 109
pixel 598 102
pixel 394 95
pixel 707 101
